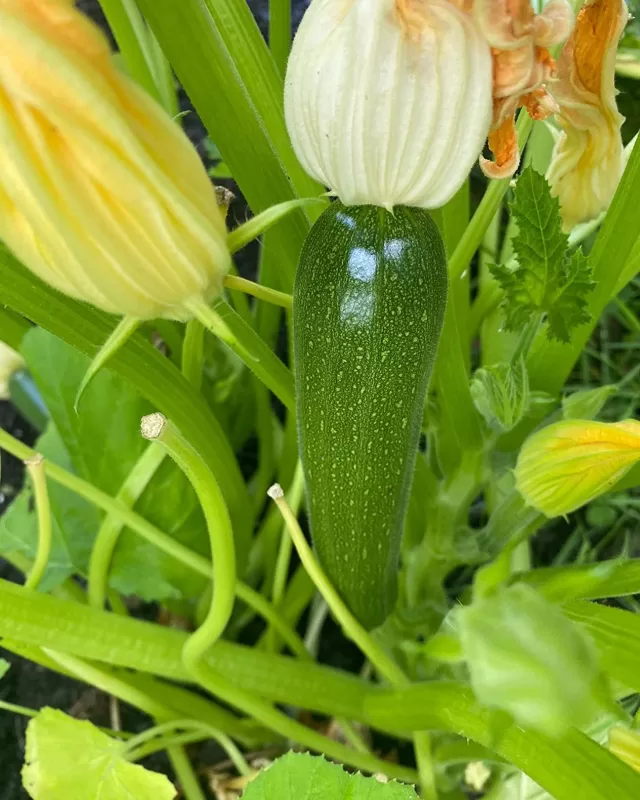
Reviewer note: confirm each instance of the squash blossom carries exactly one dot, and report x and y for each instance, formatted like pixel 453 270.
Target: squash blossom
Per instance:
pixel 101 194
pixel 522 67
pixel 10 362
pixel 388 102
pixel 588 161
pixel 568 464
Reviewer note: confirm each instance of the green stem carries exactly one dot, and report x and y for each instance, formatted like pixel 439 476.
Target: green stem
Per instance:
pixel 105 543
pixel 280 32
pixel 258 290
pixel 379 657
pixel 156 427
pixel 193 353
pixel 426 767
pixel 14 709
pixel 475 231
pixel 153 739
pixel 36 469
pixel 283 560
pixel 527 337
pixel 185 774
pixel 227 325
pixel 150 533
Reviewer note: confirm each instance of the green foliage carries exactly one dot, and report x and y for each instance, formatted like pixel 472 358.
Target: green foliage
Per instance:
pixel 70 759
pixel 305 777
pixel 527 659
pixel 501 394
pixel 4 667
pixel 546 280
pixel 101 444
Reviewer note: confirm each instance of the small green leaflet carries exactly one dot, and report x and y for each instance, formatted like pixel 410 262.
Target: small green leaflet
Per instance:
pixel 4 667
pixel 70 759
pixel 545 280
pixel 300 776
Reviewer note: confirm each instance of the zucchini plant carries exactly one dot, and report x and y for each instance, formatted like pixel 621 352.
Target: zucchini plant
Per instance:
pixel 360 496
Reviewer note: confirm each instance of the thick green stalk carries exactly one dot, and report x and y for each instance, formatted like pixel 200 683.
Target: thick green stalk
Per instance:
pixel 157 428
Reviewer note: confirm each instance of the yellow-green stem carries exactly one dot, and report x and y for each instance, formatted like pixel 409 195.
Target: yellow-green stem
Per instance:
pixel 36 470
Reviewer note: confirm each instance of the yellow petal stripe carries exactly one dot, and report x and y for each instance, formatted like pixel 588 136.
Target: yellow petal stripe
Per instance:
pixel 568 464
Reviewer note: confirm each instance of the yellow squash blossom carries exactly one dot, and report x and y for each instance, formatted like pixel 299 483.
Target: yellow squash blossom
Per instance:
pixel 10 362
pixel 522 67
pixel 101 194
pixel 588 159
pixel 568 464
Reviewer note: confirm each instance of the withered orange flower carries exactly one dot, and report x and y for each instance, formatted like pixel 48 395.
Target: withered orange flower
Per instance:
pixel 522 67
pixel 588 158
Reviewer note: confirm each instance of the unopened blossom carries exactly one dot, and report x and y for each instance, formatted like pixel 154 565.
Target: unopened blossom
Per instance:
pixel 10 363
pixel 388 102
pixel 568 464
pixel 522 69
pixel 101 194
pixel 588 158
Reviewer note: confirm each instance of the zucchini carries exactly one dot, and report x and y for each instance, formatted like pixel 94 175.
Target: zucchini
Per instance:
pixel 368 307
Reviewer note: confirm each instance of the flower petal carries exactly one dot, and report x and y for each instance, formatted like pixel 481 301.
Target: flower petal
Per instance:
pixel 568 464
pixel 587 162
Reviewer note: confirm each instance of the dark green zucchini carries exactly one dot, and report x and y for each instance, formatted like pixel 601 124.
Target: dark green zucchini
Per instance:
pixel 368 305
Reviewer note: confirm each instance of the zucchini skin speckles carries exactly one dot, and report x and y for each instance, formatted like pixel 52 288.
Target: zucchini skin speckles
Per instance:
pixel 369 303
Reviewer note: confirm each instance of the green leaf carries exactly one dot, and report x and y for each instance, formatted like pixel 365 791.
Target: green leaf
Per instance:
pixel 103 440
pixel 74 522
pixel 587 403
pixel 300 776
pixel 4 667
pixel 70 759
pixel 525 658
pixel 544 280
pixel 615 578
pixel 101 444
pixel 501 394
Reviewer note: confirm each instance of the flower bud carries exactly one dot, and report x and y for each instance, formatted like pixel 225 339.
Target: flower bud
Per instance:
pixel 10 362
pixel 101 194
pixel 587 161
pixel 388 102
pixel 568 464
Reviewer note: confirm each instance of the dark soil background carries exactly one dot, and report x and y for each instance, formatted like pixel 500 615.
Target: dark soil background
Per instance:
pixel 28 684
